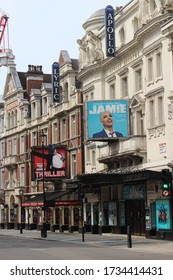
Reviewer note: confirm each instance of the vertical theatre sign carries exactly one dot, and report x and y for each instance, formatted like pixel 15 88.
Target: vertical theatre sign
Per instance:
pixel 110 31
pixel 55 82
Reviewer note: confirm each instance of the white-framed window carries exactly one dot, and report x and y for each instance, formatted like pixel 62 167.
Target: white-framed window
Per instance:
pixel 152 113
pixel 63 129
pixel 34 138
pixel 2 123
pixel 12 119
pixel 2 179
pixel 89 96
pixel 139 123
pixel 150 70
pixel 160 110
pixel 138 79
pixel 22 176
pixel 156 110
pixel 154 65
pixel 14 149
pixel 45 132
pixel 2 150
pixel 73 165
pixel 124 86
pixel 8 120
pixel 158 65
pixel 15 118
pixel 112 91
pixel 54 132
pixel 22 146
pixel 9 148
pixel 73 125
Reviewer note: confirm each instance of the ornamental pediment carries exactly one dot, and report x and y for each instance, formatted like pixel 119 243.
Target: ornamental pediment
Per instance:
pixel 137 101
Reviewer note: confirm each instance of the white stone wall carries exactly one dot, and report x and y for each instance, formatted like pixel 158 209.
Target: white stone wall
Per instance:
pixel 137 48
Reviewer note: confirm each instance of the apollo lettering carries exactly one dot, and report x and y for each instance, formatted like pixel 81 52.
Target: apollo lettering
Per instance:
pixel 112 108
pixel 110 31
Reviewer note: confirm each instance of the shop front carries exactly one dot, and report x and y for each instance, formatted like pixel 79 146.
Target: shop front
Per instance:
pixel 128 199
pixel 61 212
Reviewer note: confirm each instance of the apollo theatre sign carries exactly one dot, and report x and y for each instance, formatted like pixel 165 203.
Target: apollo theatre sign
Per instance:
pixel 110 31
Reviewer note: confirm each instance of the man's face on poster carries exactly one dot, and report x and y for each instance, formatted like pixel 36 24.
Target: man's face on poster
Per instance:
pixel 106 119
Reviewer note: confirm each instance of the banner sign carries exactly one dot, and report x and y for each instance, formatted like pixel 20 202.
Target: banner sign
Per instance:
pixel 107 119
pixel 55 83
pixel 110 31
pixel 163 220
pixel 52 158
pixel 147 218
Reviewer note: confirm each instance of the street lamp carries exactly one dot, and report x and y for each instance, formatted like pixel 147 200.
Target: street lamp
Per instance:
pixel 44 226
pixel 21 191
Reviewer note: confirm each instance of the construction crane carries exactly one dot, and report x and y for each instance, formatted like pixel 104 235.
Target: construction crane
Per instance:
pixel 5 53
pixel 3 23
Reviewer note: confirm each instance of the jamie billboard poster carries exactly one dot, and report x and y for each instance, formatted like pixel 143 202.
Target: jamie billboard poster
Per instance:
pixel 163 214
pixel 54 162
pixel 107 119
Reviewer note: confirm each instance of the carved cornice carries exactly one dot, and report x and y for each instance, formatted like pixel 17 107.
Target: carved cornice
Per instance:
pixel 152 25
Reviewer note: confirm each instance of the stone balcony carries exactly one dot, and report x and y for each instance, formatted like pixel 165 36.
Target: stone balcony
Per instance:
pixel 9 160
pixel 131 147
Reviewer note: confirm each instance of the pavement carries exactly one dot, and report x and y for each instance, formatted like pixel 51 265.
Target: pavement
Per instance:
pixel 138 243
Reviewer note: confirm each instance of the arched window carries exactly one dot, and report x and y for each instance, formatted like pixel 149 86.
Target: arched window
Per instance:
pixel 8 121
pixel 122 36
pixel 15 118
pixel 65 92
pixel 135 24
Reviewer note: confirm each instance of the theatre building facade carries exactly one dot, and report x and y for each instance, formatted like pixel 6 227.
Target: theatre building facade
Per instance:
pixel 127 174
pixel 108 183
pixel 34 128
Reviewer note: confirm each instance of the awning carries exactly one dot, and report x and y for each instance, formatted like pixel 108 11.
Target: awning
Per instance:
pixel 111 177
pixel 50 199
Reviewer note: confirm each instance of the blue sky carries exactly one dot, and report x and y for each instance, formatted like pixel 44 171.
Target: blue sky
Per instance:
pixel 39 30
